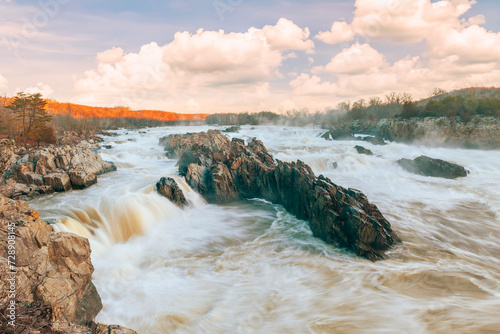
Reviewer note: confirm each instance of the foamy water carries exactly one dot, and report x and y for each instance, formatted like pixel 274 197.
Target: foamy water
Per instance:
pixel 253 268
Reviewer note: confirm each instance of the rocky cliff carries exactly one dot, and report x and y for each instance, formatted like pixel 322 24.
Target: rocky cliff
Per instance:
pixel 222 171
pixel 45 277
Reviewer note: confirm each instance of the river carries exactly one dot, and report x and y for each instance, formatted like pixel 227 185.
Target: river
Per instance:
pixel 251 267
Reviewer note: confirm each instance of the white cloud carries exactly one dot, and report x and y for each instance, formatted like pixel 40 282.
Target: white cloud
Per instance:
pixel 41 88
pixel 4 83
pixel 213 68
pixel 339 33
pixel 357 59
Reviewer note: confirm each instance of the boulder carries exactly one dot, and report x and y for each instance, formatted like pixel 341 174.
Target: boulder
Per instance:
pixel 81 178
pixel 362 150
pixel 51 269
pixel 234 129
pixel 59 181
pixel 375 140
pixel 433 167
pixel 168 188
pixel 222 171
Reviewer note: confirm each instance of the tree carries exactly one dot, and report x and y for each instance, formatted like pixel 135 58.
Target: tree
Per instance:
pixel 30 110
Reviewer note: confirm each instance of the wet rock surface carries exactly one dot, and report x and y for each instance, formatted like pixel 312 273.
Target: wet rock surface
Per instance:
pixel 222 171
pixel 168 188
pixel 433 167
pixel 362 150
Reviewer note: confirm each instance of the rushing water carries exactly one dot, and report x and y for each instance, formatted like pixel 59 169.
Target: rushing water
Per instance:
pixel 253 268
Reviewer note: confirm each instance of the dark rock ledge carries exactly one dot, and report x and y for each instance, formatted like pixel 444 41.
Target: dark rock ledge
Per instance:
pixel 222 171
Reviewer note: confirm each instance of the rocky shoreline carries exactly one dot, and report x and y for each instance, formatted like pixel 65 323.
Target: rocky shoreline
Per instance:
pixel 29 172
pixel 45 284
pixel 479 132
pixel 223 171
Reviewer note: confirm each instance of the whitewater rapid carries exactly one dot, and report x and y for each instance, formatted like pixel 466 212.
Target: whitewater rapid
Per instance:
pixel 251 267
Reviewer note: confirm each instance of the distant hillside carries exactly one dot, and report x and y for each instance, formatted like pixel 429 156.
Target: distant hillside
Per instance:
pixel 478 92
pixel 81 111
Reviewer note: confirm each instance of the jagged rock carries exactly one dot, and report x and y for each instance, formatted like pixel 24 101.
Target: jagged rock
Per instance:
pixel 433 167
pixel 80 165
pixel 51 268
pixel 362 150
pixel 45 163
pixel 81 178
pixel 59 181
pixel 336 215
pixel 168 188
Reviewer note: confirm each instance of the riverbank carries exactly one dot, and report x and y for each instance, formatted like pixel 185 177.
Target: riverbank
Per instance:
pixel 479 132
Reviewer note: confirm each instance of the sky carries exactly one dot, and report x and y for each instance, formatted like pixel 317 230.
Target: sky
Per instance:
pixel 245 56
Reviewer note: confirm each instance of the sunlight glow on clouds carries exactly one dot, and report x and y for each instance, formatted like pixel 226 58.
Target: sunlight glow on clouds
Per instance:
pixel 278 66
pixel 195 69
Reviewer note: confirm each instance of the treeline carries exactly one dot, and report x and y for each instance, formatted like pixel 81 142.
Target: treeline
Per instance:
pixel 464 106
pixel 263 117
pixel 27 118
pixel 81 111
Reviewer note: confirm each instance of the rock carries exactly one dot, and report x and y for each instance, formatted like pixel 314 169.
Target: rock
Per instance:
pixel 338 133
pixel 45 163
pixel 433 167
pixel 81 178
pixel 59 181
pixel 482 132
pixel 223 171
pixel 53 269
pixel 234 129
pixel 375 140
pixel 112 329
pixel 362 150
pixel 80 165
pixel 168 188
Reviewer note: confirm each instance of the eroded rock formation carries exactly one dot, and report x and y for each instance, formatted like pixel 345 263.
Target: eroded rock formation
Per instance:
pixel 26 174
pixel 222 171
pixel 46 268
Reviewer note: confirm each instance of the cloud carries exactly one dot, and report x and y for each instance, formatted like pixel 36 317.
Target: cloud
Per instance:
pixel 3 82
pixel 211 69
pixel 357 59
pixel 339 33
pixel 41 88
pixel 401 21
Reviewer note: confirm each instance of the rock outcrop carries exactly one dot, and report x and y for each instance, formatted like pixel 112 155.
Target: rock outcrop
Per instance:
pixel 362 150
pixel 478 132
pixel 234 129
pixel 43 268
pixel 28 173
pixel 433 167
pixel 222 171
pixel 168 188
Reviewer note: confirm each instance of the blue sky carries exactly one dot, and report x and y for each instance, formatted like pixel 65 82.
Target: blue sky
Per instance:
pixel 52 46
